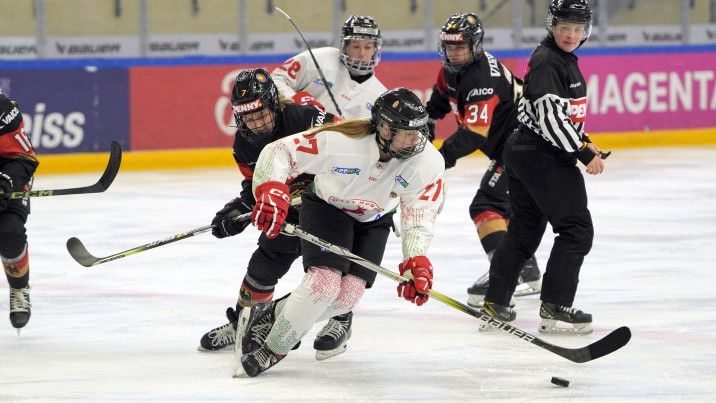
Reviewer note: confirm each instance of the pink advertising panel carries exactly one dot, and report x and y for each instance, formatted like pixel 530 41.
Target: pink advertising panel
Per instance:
pixel 188 106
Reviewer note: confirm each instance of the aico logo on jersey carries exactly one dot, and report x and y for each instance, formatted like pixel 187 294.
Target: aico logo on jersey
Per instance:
pixel 578 110
pixel 54 129
pixel 476 92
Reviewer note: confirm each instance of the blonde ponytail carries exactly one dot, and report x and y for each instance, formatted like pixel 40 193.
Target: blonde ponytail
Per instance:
pixel 351 127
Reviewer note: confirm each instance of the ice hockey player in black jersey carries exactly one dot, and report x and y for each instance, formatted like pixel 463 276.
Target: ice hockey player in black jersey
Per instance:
pixel 260 119
pixel 545 184
pixel 483 95
pixel 17 167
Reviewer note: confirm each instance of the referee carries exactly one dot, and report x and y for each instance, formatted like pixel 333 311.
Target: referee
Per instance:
pixel 545 184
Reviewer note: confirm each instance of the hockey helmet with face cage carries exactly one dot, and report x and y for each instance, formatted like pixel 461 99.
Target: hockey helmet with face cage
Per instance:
pixel 461 28
pixel 360 27
pixel 255 104
pixel 399 113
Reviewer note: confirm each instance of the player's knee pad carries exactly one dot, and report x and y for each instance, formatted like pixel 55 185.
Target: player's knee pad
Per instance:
pixel 12 244
pixel 488 222
pixel 352 290
pixel 320 286
pixel 16 265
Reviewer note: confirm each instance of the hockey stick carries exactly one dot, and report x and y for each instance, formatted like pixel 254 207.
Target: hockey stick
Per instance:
pixel 606 345
pixel 110 172
pixel 80 253
pixel 315 62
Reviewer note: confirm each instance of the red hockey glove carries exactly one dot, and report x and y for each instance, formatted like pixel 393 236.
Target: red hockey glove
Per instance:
pixel 304 98
pixel 271 208
pixel 420 273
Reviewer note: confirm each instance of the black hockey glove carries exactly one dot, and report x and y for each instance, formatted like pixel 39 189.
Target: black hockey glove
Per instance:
pixel 5 190
pixel 223 222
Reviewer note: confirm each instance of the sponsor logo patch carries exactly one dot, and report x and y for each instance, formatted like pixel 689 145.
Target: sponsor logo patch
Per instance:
pixel 450 37
pixel 347 171
pixel 401 181
pixel 248 107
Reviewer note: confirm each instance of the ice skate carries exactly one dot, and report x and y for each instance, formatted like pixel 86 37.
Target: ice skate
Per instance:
pixel 530 280
pixel 19 307
pixel 497 311
pixel 529 283
pixel 259 360
pixel 223 337
pixel 558 319
pixel 332 340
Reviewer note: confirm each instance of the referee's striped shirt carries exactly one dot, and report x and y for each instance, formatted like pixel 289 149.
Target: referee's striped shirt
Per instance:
pixel 555 98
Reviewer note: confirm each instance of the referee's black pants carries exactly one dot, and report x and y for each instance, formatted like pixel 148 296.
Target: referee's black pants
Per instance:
pixel 545 185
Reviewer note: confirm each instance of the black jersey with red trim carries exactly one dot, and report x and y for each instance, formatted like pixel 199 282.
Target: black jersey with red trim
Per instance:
pixel 554 105
pixel 293 119
pixel 483 98
pixel 17 156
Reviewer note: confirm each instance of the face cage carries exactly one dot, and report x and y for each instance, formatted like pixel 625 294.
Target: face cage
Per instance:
pixel 552 21
pixel 251 134
pixel 454 67
pixel 358 67
pixel 418 147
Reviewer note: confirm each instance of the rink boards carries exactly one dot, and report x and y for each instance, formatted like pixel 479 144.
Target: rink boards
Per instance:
pixel 175 112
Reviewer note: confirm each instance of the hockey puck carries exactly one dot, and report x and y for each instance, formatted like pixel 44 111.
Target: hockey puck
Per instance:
pixel 560 382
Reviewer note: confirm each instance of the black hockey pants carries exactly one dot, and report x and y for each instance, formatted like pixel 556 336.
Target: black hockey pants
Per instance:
pixel 545 185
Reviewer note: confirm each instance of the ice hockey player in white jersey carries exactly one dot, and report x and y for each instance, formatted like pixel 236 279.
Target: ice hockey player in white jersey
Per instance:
pixel 363 170
pixel 350 72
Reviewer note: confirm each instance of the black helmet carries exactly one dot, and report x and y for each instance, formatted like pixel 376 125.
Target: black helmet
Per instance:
pixel 253 91
pixel 458 29
pixel 576 11
pixel 399 109
pixel 360 27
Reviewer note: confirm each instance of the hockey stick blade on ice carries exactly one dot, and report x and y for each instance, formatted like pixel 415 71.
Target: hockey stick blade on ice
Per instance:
pixel 82 256
pixel 315 62
pixel 110 172
pixel 606 345
pixel 80 253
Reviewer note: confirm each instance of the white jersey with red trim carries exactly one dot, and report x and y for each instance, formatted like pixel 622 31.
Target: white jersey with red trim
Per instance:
pixel 349 176
pixel 299 73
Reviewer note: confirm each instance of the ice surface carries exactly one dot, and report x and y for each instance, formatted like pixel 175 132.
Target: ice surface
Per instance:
pixel 128 329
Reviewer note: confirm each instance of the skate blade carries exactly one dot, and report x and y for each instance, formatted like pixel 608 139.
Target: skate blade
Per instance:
pixel 478 302
pixel 326 354
pixel 556 327
pixel 229 347
pixel 528 288
pixel 240 373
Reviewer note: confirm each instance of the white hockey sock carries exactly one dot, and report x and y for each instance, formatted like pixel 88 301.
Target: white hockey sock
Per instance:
pixel 318 290
pixel 352 289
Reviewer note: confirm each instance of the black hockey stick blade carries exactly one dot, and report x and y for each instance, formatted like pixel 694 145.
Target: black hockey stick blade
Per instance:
pixel 80 254
pixel 606 345
pixel 110 172
pixel 78 251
